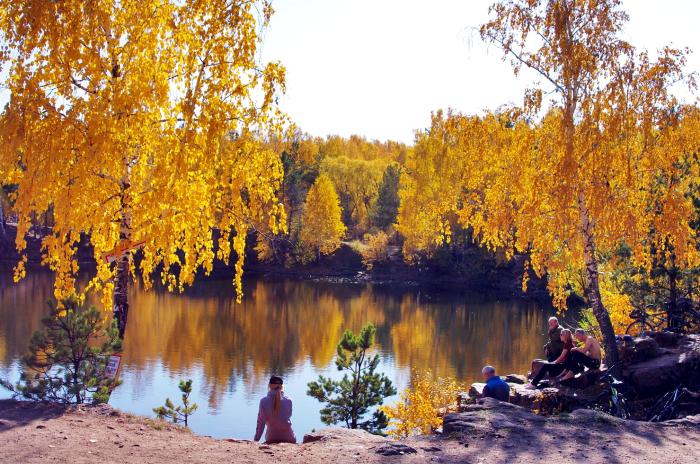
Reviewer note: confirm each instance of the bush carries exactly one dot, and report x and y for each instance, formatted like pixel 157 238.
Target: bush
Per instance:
pixel 421 407
pixel 67 359
pixel 375 250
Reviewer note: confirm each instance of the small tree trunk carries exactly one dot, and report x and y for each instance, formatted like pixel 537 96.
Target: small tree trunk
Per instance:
pixel 672 316
pixel 2 222
pixel 593 288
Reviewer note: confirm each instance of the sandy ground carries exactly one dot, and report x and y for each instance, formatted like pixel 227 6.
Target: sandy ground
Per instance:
pixel 43 434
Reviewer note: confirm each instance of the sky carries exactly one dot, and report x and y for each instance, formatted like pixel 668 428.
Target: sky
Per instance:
pixel 377 68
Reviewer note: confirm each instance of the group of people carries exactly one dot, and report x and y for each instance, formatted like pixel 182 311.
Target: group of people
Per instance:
pixel 564 360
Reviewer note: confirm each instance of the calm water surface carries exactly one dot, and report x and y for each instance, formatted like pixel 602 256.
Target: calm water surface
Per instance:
pixel 286 327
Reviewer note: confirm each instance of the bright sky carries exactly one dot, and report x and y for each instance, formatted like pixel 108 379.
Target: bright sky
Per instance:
pixel 379 67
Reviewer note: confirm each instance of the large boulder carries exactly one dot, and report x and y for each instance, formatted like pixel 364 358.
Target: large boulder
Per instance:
pixel 637 350
pixel 486 415
pixel 678 363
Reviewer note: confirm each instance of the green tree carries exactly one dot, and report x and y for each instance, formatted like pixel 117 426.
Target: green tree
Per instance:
pixel 67 359
pixel 387 205
pixel 361 388
pixel 178 413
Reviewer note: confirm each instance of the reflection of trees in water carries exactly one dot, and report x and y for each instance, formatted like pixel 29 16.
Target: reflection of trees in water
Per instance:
pixel 282 324
pixel 22 306
pixel 457 339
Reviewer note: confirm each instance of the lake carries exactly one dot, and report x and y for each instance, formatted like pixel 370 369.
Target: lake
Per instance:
pixel 286 327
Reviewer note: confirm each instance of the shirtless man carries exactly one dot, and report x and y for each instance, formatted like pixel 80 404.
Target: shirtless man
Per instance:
pixel 586 356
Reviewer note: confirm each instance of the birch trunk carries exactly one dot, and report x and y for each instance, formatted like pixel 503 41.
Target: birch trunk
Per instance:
pixel 593 287
pixel 120 297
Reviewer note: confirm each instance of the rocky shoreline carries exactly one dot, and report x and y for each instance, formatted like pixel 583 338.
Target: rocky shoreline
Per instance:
pixel 652 365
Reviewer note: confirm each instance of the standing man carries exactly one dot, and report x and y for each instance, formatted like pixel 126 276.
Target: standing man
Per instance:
pixel 495 386
pixel 554 347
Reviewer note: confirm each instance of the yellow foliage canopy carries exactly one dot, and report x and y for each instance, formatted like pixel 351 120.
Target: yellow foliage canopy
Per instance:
pixel 140 120
pixel 421 407
pixel 321 226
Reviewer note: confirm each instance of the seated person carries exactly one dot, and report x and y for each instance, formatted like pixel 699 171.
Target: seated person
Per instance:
pixel 554 347
pixel 495 386
pixel 588 356
pixel 557 366
pixel 275 413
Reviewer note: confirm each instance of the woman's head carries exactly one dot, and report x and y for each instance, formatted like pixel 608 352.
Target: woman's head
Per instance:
pixel 566 336
pixel 276 383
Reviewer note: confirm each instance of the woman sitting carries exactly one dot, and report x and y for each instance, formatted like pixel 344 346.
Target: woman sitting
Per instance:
pixel 555 367
pixel 275 412
pixel 587 356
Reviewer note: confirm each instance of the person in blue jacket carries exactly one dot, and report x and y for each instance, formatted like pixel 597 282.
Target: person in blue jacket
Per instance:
pixel 495 386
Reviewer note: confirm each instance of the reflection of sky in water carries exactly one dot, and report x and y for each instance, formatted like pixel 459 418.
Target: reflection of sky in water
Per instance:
pixel 284 327
pixel 236 413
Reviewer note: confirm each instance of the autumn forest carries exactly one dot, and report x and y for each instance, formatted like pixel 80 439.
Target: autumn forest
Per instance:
pixel 143 147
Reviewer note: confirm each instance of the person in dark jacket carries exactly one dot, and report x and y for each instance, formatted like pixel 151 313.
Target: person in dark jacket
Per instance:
pixel 495 386
pixel 554 347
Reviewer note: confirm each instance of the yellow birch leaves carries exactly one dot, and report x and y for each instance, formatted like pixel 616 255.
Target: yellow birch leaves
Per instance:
pixel 141 119
pixel 321 224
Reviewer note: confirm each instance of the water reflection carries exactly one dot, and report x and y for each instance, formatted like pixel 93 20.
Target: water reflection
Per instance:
pixel 286 327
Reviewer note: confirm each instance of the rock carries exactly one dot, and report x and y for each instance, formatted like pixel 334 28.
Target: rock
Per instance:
pixel 543 401
pixel 476 389
pixel 666 339
pixel 312 437
pixel 583 380
pixel 462 422
pixel 394 449
pixel 516 378
pixel 431 449
pixel 486 415
pixel 592 415
pixel 637 350
pixel 662 373
pixel 337 433
pixel 464 399
pixel 691 421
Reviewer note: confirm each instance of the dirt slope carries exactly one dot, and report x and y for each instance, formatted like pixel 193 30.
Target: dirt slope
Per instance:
pixel 44 434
